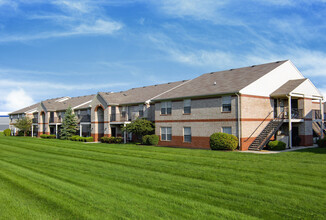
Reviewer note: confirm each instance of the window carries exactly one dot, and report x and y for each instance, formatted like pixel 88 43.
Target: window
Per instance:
pixel 123 112
pixel 187 106
pixel 226 103
pixel 51 117
pixel 141 110
pixel 166 108
pixel 187 134
pixel 166 133
pixel 227 130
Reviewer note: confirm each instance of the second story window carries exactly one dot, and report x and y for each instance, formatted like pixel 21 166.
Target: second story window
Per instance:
pixel 51 117
pixel 123 112
pixel 166 108
pixel 187 106
pixel 141 110
pixel 226 104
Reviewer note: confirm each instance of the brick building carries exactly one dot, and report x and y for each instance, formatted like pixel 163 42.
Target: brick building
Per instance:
pixel 254 103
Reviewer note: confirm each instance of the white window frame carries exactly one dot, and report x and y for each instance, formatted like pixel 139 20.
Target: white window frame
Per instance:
pixel 141 110
pixel 227 127
pixel 166 108
pixel 226 102
pixel 187 132
pixel 187 106
pixel 166 133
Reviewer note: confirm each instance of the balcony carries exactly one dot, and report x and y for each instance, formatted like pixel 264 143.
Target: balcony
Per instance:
pixel 84 118
pixel 316 114
pixel 35 120
pixel 124 117
pixel 295 113
pixel 54 120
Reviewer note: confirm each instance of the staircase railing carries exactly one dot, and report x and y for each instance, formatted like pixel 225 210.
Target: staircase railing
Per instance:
pixel 280 119
pixel 258 126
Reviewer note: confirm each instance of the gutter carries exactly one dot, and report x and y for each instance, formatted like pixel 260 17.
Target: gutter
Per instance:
pixel 239 120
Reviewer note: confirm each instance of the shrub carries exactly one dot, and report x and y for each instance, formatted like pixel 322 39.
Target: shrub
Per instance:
pixel 276 145
pixel 51 136
pixel 222 141
pixel 118 140
pixel 144 140
pixel 322 142
pixel 89 139
pixel 20 133
pixel 1 133
pixel 150 139
pixel 43 136
pixel 74 138
pixel 7 132
pixel 112 140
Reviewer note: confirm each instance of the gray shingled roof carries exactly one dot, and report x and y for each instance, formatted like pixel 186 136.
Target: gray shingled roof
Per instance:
pixel 52 105
pixel 139 95
pixel 223 82
pixel 288 87
pixel 23 110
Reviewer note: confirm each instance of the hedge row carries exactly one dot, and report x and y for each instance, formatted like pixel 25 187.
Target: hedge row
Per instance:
pixel 150 139
pixel 112 140
pixel 82 139
pixel 322 142
pixel 276 145
pixel 223 141
pixel 7 132
pixel 51 136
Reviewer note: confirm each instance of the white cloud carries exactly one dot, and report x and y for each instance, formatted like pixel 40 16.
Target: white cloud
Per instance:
pixel 17 99
pixel 98 27
pixel 39 86
pixel 75 18
pixel 200 9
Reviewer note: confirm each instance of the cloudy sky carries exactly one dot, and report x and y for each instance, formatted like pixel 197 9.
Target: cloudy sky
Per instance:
pixel 69 48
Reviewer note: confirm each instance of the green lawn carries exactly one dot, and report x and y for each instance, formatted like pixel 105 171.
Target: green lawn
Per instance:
pixel 53 179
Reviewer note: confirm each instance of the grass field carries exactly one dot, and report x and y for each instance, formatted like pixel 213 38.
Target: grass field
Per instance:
pixel 53 179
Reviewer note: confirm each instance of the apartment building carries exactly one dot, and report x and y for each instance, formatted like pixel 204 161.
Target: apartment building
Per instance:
pixel 4 121
pixel 255 103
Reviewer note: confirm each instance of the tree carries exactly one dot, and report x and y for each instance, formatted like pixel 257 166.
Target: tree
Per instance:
pixel 24 124
pixel 69 125
pixel 140 127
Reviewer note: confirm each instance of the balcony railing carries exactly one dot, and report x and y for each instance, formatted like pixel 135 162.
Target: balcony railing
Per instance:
pixel 124 117
pixel 316 114
pixel 54 120
pixel 295 113
pixel 84 118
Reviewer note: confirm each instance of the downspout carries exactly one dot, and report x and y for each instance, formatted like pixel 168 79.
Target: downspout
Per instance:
pixel 239 120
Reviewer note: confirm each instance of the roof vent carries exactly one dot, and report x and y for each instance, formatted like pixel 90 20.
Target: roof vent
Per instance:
pixel 231 69
pixel 253 65
pixel 124 94
pixel 214 83
pixel 169 83
pixel 277 61
pixel 211 72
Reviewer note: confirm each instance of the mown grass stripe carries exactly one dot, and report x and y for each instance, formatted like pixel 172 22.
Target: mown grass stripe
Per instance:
pixel 144 182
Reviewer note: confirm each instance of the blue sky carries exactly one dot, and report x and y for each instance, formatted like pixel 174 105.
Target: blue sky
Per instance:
pixel 69 48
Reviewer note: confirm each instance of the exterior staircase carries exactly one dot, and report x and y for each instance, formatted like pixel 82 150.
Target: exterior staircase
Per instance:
pixel 263 138
pixel 316 126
